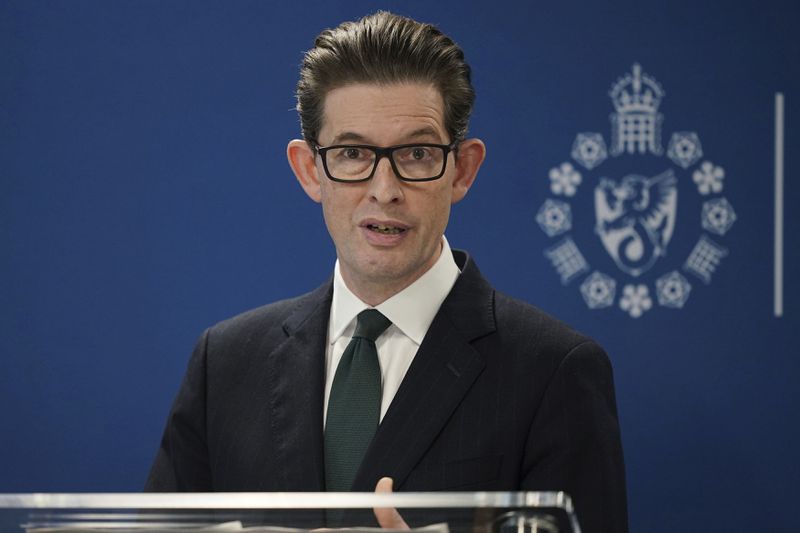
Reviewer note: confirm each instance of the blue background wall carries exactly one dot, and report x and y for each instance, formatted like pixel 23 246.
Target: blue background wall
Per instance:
pixel 144 195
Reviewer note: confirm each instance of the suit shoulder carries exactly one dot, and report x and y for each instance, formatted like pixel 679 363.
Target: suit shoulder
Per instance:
pixel 525 323
pixel 270 318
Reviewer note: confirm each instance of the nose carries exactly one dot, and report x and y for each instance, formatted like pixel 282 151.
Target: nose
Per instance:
pixel 385 187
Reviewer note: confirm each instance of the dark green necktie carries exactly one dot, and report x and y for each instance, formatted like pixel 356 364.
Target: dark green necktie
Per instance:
pixel 354 405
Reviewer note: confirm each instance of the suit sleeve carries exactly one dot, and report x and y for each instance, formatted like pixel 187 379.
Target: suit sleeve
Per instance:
pixel 182 461
pixel 574 443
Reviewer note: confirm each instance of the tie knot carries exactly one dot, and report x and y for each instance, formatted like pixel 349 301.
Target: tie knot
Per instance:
pixel 370 324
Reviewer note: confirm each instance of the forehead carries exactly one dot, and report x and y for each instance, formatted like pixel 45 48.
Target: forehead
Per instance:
pixel 383 114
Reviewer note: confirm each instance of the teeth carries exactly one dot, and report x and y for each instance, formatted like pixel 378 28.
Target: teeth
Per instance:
pixel 387 230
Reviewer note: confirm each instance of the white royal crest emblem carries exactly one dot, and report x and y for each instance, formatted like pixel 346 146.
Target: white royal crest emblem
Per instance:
pixel 635 212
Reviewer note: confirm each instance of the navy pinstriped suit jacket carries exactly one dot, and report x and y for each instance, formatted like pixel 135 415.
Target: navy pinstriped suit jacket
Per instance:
pixel 500 396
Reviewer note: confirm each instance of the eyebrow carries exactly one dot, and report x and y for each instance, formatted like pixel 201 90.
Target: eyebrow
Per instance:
pixel 348 136
pixel 424 132
pixel 351 136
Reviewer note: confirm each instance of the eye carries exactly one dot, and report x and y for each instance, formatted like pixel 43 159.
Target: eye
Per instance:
pixel 418 153
pixel 414 154
pixel 352 153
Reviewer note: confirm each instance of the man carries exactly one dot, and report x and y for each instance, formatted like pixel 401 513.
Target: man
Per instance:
pixel 468 389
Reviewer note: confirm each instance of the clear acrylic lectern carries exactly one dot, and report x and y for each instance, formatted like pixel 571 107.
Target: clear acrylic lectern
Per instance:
pixel 433 512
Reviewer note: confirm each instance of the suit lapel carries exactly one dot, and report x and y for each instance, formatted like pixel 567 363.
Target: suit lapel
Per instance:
pixel 297 385
pixel 444 368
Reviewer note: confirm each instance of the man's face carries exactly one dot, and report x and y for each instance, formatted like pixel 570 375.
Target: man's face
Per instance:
pixel 387 232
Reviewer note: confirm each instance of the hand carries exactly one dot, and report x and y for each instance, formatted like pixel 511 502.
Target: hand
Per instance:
pixel 388 517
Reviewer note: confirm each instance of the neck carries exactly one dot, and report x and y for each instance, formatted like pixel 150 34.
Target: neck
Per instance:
pixel 375 292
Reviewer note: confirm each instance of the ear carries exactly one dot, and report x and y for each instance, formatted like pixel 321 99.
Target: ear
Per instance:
pixel 471 154
pixel 303 162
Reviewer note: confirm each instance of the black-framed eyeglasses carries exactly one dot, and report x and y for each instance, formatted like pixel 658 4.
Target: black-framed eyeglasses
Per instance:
pixel 352 163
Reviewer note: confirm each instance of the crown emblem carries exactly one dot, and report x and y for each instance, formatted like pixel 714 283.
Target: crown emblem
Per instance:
pixel 636 125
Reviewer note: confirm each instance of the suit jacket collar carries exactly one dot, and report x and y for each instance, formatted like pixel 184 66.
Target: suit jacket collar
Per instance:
pixel 443 370
pixel 297 383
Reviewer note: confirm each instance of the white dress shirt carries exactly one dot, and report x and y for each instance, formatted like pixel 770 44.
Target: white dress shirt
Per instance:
pixel 411 311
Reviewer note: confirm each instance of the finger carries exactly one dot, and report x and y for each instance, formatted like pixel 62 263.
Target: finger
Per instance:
pixel 388 517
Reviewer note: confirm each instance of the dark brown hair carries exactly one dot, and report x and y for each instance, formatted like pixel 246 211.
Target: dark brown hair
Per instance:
pixel 385 48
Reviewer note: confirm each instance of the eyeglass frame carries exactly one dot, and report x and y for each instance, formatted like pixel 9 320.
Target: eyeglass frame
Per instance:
pixel 386 151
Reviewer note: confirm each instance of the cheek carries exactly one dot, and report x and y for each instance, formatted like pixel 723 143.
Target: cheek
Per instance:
pixel 333 214
pixel 444 216
pixel 438 210
pixel 337 207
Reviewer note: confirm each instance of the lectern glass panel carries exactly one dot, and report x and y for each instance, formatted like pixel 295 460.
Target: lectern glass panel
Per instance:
pixel 433 512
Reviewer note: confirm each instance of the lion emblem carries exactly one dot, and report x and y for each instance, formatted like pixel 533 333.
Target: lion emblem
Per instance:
pixel 636 219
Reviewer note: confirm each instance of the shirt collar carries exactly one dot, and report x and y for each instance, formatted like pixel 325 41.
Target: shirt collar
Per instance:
pixel 411 310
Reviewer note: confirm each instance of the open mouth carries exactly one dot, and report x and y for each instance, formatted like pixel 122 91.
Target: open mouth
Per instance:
pixel 385 230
